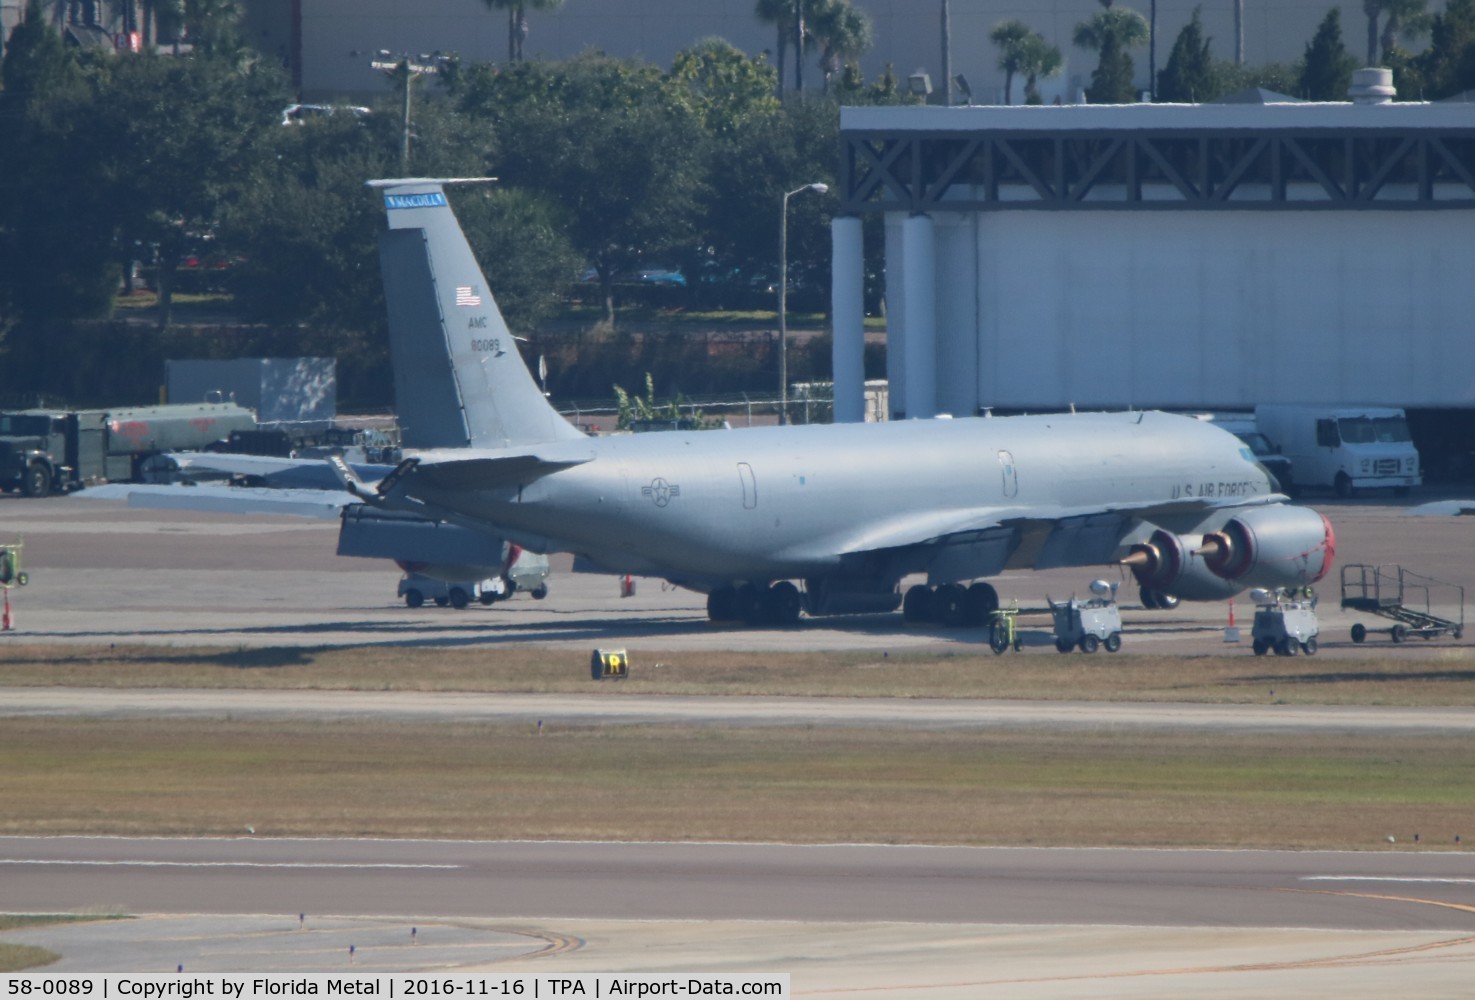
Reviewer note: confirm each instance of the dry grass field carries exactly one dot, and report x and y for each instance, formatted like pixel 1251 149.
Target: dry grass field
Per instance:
pixel 809 785
pixel 1438 676
pixel 684 782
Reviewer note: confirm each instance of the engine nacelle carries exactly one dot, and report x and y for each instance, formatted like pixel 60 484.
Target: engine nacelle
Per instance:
pixel 1272 547
pixel 1170 564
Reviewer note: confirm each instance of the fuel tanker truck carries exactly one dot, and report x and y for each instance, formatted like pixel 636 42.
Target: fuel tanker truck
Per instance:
pixel 53 451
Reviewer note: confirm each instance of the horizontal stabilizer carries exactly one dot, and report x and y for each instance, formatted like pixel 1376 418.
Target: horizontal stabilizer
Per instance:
pixel 456 469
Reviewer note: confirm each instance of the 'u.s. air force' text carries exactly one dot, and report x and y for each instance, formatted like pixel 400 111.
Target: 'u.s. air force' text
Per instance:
pixel 1214 491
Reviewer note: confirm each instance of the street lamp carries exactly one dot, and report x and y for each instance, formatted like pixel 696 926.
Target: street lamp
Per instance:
pixel 783 297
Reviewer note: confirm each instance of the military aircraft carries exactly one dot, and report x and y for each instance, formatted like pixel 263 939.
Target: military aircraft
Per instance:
pixel 774 521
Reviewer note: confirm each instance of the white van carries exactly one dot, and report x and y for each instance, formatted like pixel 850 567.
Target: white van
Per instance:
pixel 1343 448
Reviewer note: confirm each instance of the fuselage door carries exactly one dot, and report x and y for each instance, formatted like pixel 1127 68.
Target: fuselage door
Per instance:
pixel 750 486
pixel 1011 480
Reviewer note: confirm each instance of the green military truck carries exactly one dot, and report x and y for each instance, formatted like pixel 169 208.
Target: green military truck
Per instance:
pixel 53 451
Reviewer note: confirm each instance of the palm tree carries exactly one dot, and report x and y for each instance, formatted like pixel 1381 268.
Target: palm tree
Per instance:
pixel 1408 16
pixel 1038 58
pixel 517 21
pixel 841 32
pixel 1010 36
pixel 780 14
pixel 1111 32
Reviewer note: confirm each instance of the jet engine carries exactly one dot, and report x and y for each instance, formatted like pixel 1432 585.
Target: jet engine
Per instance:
pixel 1272 547
pixel 1169 564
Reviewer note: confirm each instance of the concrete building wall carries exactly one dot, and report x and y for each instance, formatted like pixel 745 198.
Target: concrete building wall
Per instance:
pixel 907 35
pixel 1202 309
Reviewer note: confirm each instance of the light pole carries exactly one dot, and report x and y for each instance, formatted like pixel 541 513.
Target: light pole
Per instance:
pixel 407 69
pixel 783 297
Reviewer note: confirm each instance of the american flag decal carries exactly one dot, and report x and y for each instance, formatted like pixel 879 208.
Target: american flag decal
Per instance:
pixel 466 297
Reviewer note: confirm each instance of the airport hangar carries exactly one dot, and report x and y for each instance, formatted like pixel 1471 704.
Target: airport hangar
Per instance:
pixel 1166 256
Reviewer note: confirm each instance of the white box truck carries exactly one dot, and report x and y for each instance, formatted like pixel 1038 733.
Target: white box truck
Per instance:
pixel 1343 448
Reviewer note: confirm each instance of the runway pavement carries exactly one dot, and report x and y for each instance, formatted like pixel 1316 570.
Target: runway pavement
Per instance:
pixel 893 921
pixel 622 709
pixel 103 572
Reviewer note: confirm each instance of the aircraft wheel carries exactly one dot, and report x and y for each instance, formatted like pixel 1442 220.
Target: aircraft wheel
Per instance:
pixel 1399 632
pixel 1286 647
pixel 981 603
pixel 782 603
pixel 950 605
pixel 1089 643
pixel 1149 598
pixel 1309 647
pixel 1260 646
pixel 1166 602
pixel 721 604
pixel 487 597
pixel 1113 642
pixel 750 604
pixel 1359 632
pixel 539 592
pixel 413 598
pixel 459 598
pixel 916 606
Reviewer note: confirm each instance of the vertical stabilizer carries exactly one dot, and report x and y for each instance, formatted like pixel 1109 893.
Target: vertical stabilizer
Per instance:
pixel 458 376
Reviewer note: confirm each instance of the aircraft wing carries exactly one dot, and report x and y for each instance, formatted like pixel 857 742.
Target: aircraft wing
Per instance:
pixel 304 473
pixel 1025 537
pixel 226 499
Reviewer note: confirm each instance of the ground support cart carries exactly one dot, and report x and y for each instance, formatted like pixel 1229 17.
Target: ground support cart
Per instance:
pixel 1087 624
pixel 1418 605
pixel 1285 621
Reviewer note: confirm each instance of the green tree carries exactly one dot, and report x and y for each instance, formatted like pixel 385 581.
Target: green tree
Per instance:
pixel 56 236
pixel 212 25
pixel 1447 66
pixel 517 21
pixel 1111 33
pixel 181 132
pixel 616 144
pixel 1189 75
pixel 841 32
pixel 1400 17
pixel 1326 72
pixel 725 85
pixel 1010 36
pixel 1038 59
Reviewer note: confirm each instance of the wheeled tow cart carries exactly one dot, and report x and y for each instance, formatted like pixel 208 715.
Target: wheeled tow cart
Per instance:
pixel 1088 624
pixel 1417 605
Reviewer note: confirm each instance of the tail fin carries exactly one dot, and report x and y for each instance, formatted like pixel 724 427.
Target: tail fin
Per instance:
pixel 458 377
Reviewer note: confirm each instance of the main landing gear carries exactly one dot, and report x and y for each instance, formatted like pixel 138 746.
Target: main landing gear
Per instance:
pixel 778 604
pixel 951 604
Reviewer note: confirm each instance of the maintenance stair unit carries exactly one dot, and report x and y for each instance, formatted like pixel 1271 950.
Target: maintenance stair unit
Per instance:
pixel 1409 599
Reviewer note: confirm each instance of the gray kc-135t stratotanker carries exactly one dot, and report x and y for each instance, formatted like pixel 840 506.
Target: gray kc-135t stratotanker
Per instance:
pixel 772 521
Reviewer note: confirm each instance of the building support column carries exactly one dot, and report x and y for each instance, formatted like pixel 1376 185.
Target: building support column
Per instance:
pixel 847 306
pixel 919 277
